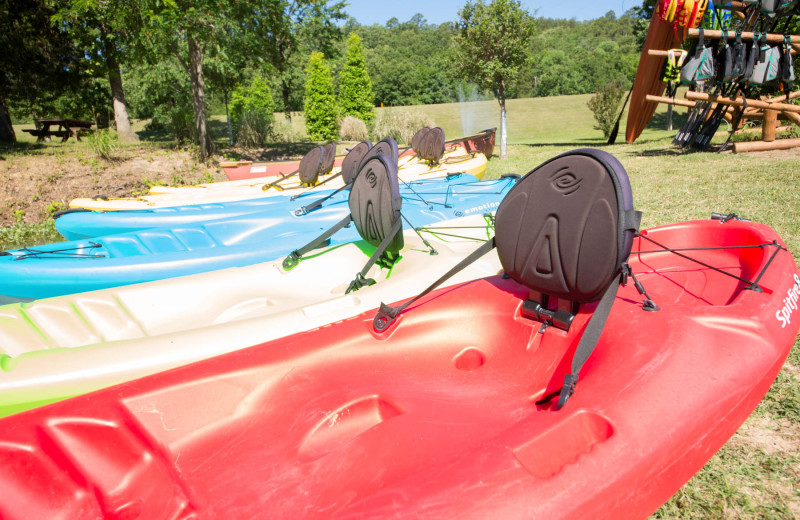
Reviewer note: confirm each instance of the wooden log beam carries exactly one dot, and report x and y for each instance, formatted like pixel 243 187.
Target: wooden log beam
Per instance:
pixel 670 101
pixel 782 97
pixel 761 146
pixel 793 117
pixel 756 103
pixel 714 35
pixel 753 130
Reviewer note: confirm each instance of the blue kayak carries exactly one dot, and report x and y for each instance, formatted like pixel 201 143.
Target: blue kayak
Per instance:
pixel 158 253
pixel 76 225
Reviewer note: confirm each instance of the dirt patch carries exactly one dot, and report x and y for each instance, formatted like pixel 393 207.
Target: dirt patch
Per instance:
pixel 35 184
pixel 772 436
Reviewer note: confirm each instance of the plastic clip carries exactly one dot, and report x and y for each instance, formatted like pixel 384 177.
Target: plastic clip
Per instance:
pixel 570 381
pixel 291 261
pixel 358 283
pixel 385 317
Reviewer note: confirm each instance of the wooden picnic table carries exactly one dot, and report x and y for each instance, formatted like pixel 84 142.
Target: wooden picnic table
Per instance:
pixel 66 128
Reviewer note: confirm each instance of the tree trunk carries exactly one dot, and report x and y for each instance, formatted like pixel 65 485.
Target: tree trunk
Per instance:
pixel 501 98
pixel 286 92
pixel 121 119
pixel 7 134
pixel 196 58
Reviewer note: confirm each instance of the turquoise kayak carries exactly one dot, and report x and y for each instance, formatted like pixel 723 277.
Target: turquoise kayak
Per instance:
pixel 76 225
pixel 159 253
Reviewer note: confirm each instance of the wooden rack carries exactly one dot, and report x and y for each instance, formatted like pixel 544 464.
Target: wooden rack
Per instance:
pixel 768 110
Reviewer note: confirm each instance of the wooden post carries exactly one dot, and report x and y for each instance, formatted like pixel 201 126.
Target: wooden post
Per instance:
pixel 793 117
pixel 768 125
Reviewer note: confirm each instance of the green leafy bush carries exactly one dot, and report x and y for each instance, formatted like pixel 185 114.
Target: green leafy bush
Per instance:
pixel 605 105
pixel 353 129
pixel 356 97
pixel 400 125
pixel 103 142
pixel 252 108
pixel 320 102
pixel 21 234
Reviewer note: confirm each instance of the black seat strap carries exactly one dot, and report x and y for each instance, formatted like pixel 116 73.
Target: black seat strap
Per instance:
pixel 294 257
pixel 308 208
pixel 314 187
pixel 386 314
pixel 361 280
pixel 588 341
pixel 276 184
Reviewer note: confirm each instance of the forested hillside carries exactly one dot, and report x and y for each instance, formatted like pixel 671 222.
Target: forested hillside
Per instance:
pixel 407 62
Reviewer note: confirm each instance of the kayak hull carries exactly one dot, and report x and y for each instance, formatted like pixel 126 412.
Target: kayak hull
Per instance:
pixel 121 332
pixel 441 416
pixel 660 36
pixel 159 253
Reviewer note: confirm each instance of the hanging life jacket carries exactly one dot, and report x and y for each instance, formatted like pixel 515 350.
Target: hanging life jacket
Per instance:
pixel 672 70
pixel 787 64
pixel 700 66
pixel 773 7
pixel 732 59
pixel 767 67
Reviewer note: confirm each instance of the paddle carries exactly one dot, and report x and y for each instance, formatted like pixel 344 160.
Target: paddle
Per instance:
pixel 612 138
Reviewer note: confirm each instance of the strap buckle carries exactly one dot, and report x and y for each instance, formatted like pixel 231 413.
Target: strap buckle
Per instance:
pixel 358 283
pixel 570 381
pixel 291 261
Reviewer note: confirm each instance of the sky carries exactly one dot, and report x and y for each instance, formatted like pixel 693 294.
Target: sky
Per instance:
pixel 367 12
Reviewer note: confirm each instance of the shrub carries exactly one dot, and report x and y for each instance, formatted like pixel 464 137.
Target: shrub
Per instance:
pixel 283 132
pixel 605 105
pixel 356 97
pixel 400 125
pixel 103 142
pixel 353 129
pixel 252 110
pixel 319 102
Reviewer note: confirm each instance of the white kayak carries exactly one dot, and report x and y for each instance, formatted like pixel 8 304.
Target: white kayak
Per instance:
pixel 63 346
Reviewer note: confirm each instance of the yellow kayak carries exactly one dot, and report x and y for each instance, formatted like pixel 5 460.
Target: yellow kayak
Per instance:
pixel 455 160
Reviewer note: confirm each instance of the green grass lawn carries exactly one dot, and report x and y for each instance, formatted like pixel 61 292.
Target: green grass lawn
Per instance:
pixel 670 185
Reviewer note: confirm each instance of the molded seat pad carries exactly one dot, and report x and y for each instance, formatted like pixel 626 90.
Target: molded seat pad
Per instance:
pixel 375 201
pixel 561 229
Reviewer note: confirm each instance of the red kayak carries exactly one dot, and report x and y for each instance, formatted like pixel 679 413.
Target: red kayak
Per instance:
pixel 450 410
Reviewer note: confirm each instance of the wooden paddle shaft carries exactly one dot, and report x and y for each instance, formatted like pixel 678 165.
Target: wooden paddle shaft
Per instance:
pixel 756 103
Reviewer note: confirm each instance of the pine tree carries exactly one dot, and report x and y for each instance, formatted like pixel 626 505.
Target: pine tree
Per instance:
pixel 320 101
pixel 356 97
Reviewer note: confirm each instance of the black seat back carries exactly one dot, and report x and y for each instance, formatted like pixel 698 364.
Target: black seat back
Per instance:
pixel 416 141
pixel 353 159
pixel 567 227
pixel 308 170
pixel 328 157
pixel 432 145
pixel 375 201
pixel 387 147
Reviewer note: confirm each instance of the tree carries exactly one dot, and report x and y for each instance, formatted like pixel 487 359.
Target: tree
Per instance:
pixel 190 29
pixel 356 97
pixel 38 62
pixel 100 28
pixel 491 47
pixel 310 27
pixel 320 101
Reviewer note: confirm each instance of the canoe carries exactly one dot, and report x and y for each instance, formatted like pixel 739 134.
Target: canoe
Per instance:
pixel 163 196
pixel 447 412
pixel 89 224
pixel 482 142
pixel 158 253
pixel 660 36
pixel 123 333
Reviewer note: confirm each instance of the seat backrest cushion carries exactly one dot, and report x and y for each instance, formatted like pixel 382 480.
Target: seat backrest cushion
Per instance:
pixel 375 201
pixel 309 165
pixel 353 159
pixel 564 229
pixel 328 157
